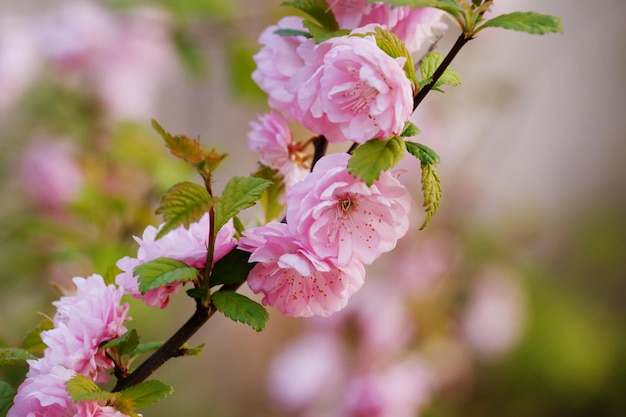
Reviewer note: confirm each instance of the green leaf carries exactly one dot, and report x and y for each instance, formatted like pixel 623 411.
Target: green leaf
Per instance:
pixel 449 6
pixel 183 204
pixel 124 344
pixel 530 22
pixel 233 268
pixel 82 388
pixel 318 10
pixel 239 194
pixel 240 308
pixel 431 188
pixel 293 32
pixel 422 152
pixel 321 34
pixel 163 271
pixel 410 130
pixel 9 356
pixel 147 392
pixel 270 200
pixel 395 48
pixel 145 348
pixel 374 157
pixel 6 398
pixel 194 351
pixel 32 342
pixel 429 65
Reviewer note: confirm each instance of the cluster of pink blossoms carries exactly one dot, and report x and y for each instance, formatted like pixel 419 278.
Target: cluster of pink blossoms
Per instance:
pixel 82 323
pixel 345 89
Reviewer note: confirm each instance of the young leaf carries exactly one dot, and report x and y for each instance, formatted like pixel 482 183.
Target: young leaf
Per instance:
pixel 194 351
pixel 239 194
pixel 163 271
pixel 147 392
pixel 530 22
pixel 183 204
pixel 375 156
pixel 233 268
pixel 6 398
pixel 318 10
pixel 395 48
pixel 82 388
pixel 123 344
pixel 189 150
pixel 431 188
pixel 422 152
pixel 410 130
pixel 10 356
pixel 429 65
pixel 240 308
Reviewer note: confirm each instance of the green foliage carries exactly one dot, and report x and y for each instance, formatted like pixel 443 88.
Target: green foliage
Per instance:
pixel 429 65
pixel 321 34
pixel 270 200
pixel 183 204
pixel 189 53
pixel 6 398
pixel 145 348
pixel 239 194
pixel 147 392
pixel 82 388
pixel 163 271
pixel 530 22
pixel 124 344
pixel 240 308
pixel 431 188
pixel 32 342
pixel 293 32
pixel 233 268
pixel 9 356
pixel 194 351
pixel 374 157
pixel 318 10
pixel 410 130
pixel 422 152
pixel 395 48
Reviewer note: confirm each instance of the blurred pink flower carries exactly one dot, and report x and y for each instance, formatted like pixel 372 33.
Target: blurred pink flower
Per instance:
pixel 83 321
pixel 277 61
pixel 350 90
pixel 293 278
pixel 182 244
pixel 49 173
pixel 343 219
pixel 271 137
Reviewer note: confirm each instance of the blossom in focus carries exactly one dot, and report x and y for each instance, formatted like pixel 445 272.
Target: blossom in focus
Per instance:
pixel 351 90
pixel 272 138
pixel 278 60
pixel 188 245
pixel 343 219
pixel 49 173
pixel 295 279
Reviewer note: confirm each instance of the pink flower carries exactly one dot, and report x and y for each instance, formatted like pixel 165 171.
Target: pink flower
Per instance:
pixel 278 60
pixel 295 279
pixel 272 138
pixel 420 27
pixel 82 322
pixel 185 245
pixel 344 220
pixel 350 90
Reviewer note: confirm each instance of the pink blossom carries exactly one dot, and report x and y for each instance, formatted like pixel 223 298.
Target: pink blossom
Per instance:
pixel 350 90
pixel 272 138
pixel 182 244
pixel 49 173
pixel 342 218
pixel 82 322
pixel 295 279
pixel 278 60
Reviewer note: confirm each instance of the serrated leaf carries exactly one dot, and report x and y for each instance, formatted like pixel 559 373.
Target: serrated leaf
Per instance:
pixel 233 268
pixel 429 65
pixel 189 150
pixel 239 194
pixel 82 388
pixel 148 392
pixel 410 130
pixel 431 188
pixel 6 398
pixel 240 308
pixel 449 6
pixel 395 48
pixel 318 10
pixel 123 344
pixel 422 152
pixel 32 342
pixel 529 22
pixel 163 271
pixel 145 348
pixel 375 156
pixel 183 204
pixel 125 406
pixel 270 200
pixel 9 356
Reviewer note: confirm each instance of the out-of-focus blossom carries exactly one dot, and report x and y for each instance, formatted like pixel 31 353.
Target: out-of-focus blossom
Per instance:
pixel 342 218
pixel 278 60
pixel 188 245
pixel 293 278
pixel 49 173
pixel 350 90
pixel 493 320
pixel 271 137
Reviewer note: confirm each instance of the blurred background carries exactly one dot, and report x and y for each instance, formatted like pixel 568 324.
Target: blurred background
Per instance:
pixel 512 302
